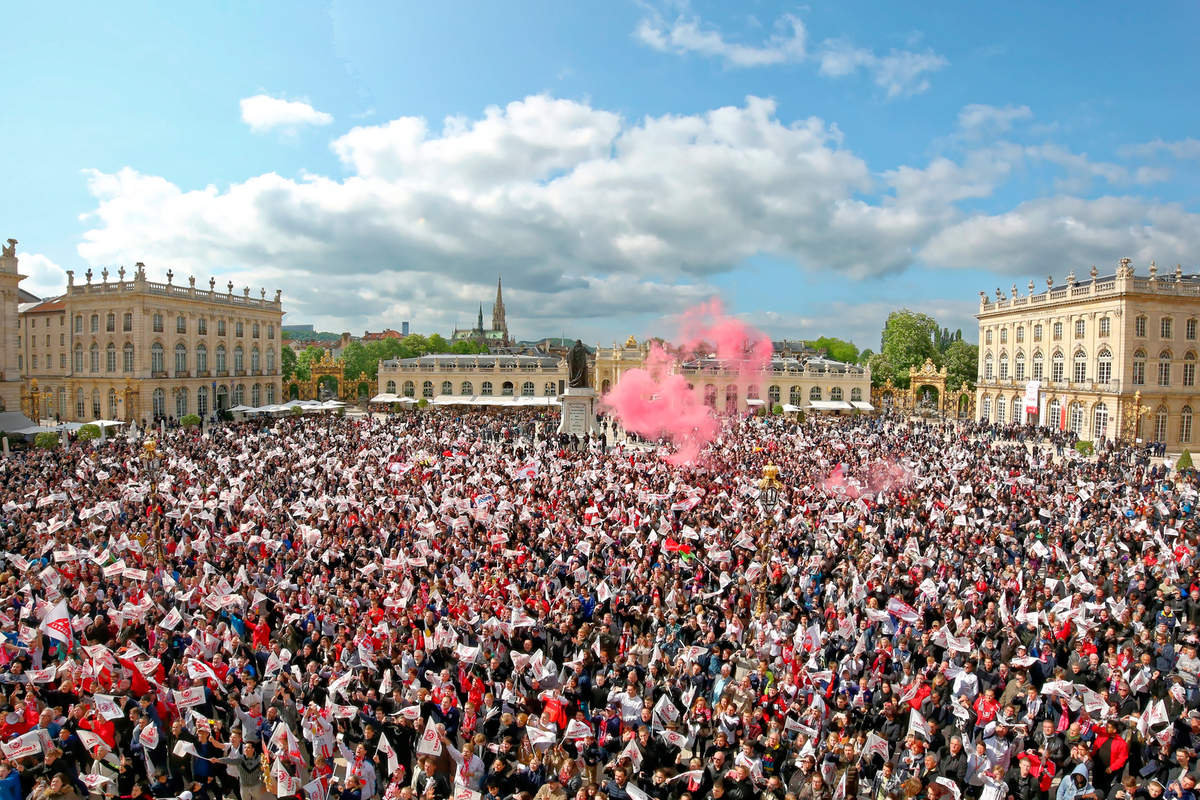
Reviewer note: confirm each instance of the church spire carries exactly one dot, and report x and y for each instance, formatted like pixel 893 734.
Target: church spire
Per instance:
pixel 498 322
pixel 479 325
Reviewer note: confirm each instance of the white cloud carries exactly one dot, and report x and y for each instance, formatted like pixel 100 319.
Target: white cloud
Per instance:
pixel 1183 149
pixel 690 35
pixel 978 120
pixel 899 72
pixel 264 113
pixel 43 277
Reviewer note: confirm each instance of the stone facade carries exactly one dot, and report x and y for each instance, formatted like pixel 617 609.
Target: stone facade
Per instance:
pixel 1117 352
pixel 10 372
pixel 471 375
pixel 136 350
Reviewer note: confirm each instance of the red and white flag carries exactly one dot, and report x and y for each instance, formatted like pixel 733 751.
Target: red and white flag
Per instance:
pixel 23 746
pixel 527 470
pixel 149 736
pixel 57 622
pixel 431 742
pixel 189 697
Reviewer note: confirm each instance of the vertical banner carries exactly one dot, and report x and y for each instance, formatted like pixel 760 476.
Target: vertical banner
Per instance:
pixel 1032 390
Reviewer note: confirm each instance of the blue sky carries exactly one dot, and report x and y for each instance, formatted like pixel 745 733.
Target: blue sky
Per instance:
pixel 814 165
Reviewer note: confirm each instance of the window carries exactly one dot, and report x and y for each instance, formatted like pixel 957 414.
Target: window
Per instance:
pixel 80 405
pixel 79 327
pixel 1079 367
pixel 834 394
pixel 1054 414
pixel 201 358
pixel 710 396
pixel 110 322
pixel 1000 407
pixel 220 327
pixel 180 359
pixel 1185 425
pixel 1080 328
pixel 856 395
pixel 94 358
pixel 1189 330
pixel 1004 336
pixel 486 389
pixel 156 358
pixel 110 358
pixel 1105 325
pixel 159 403
pixel 270 361
pixel 1056 367
pixel 506 389
pixel 814 393
pixel 448 388
pixel 78 365
pixel 62 360
pixel 1020 333
pixel 181 326
pixel 467 389
pixel 527 389
pixel 1020 367
pixel 221 370
pixel 157 321
pixel 1037 333
pixel 270 394
pixel 1104 366
pixel 1016 410
pixel 239 329
pixel 239 359
pixel 773 395
pixel 270 330
pixel 1165 329
pixel 1076 418
pixel 255 364
pixel 795 396
pixel 239 394
pixel 1139 368
pixel 33 362
pixel 987 367
pixel 181 403
pixel 1037 366
pixel 1164 369
pixel 1139 326
pixel 987 337
pixel 1058 326
pixel 202 326
pixel 985 411
pixel 1189 369
pixel 390 388
pixel 410 389
pixel 427 389
pixel 126 322
pixel 202 401
pixel 1099 421
pixel 95 404
pixel 95 323
pixel 256 395
pixel 1004 366
pixel 549 390
pixel 1160 424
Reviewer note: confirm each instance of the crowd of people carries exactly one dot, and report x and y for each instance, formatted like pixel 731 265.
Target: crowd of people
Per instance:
pixel 345 609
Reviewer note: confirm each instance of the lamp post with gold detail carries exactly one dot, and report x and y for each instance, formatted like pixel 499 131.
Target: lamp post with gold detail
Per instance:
pixel 1132 418
pixel 769 488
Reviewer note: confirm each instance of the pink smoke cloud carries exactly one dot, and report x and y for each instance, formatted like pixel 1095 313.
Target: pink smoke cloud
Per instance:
pixel 881 477
pixel 654 401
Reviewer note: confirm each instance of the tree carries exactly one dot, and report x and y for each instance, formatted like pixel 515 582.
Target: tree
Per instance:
pixel 837 349
pixel 304 362
pixel 881 369
pixel 46 440
pixel 908 339
pixel 189 420
pixel 465 347
pixel 88 432
pixel 437 344
pixel 962 364
pixel 287 362
pixel 1184 462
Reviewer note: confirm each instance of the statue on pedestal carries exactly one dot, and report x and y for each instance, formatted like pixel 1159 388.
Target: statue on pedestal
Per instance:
pixel 577 367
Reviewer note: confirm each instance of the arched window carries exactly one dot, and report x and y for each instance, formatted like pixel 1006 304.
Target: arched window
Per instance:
pixel 113 411
pixel 1016 410
pixel 110 358
pixel 270 360
pixel 1019 362
pixel 987 367
pixel 1057 363
pixel 1054 414
pixel 410 389
pixel 1104 366
pixel 1001 410
pixel 527 389
pixel 710 396
pixel 1164 370
pixel 1079 367
pixel 427 389
pixel 856 395
pixel 814 393
pixel 239 359
pixel 202 401
pixel 181 403
pixel 62 401
pixel 985 409
pixel 1139 367
pixel 506 389
pixel 1099 421
pixel 1185 425
pixel 201 359
pixel 548 390
pixel 1189 368
pixel 1003 366
pixel 1160 424
pixel 221 367
pixel 94 358
pixel 447 387
pixel 159 406
pixel 485 389
pixel 256 394
pixel 1076 418
pixel 270 394
pixel 1037 332
pixel 180 359
pixel 78 363
pixel 255 363
pixel 731 398
pixel 773 395
pixel 80 404
pixel 795 396
pixel 835 393
pixel 1038 366
pixel 752 392
pixel 467 389
pixel 239 394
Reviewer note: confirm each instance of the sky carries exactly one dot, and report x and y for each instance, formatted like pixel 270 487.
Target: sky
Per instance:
pixel 814 166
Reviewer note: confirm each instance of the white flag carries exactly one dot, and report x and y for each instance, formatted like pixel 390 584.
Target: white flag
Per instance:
pixel 57 622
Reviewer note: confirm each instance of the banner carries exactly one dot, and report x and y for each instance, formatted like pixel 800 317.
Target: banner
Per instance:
pixel 1032 390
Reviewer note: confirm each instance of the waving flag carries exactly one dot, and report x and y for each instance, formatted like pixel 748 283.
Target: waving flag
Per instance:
pixel 57 623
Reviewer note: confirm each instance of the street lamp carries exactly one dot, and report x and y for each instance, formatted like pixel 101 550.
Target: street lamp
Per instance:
pixel 151 462
pixel 769 487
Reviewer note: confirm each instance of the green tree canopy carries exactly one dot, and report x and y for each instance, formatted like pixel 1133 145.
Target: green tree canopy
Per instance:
pixel 287 362
pixel 837 349
pixel 908 339
pixel 962 364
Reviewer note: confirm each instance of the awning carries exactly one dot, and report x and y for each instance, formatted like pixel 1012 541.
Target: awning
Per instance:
pixel 243 409
pixel 385 397
pixel 788 408
pixel 753 401
pixel 862 405
pixel 830 405
pixel 106 423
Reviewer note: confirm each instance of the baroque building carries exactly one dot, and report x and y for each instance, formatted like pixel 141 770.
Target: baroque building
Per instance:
pixel 458 377
pixel 10 299
pixel 1113 356
pixel 136 350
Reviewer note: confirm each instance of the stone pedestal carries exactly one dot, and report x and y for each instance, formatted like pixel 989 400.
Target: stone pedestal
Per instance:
pixel 578 412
